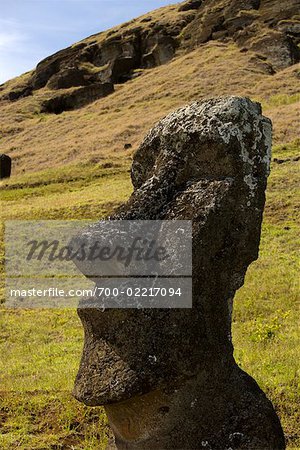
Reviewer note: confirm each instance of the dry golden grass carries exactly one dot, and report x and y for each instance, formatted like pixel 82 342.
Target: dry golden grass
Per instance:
pixel 83 173
pixel 37 141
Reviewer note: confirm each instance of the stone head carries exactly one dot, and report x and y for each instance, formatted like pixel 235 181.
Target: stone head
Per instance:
pixel 207 162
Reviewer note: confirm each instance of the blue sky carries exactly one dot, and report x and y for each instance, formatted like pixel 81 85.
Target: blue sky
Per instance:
pixel 30 30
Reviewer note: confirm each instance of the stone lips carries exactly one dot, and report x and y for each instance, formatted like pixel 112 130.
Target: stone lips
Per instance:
pixel 207 162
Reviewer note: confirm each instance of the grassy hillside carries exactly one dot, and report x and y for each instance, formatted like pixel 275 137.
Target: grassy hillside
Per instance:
pixel 74 165
pixel 40 350
pixel 102 128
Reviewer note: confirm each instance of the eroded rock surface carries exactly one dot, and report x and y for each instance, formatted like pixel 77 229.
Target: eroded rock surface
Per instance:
pixel 264 27
pixel 76 98
pixel 167 377
pixel 268 29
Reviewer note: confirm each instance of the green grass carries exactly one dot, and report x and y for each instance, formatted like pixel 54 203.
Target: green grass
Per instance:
pixel 266 314
pixel 74 192
pixel 290 150
pixel 50 421
pixel 283 99
pixel 40 349
pixel 266 323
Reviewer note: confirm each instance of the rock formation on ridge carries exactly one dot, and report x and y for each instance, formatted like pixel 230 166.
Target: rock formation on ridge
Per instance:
pixel 267 29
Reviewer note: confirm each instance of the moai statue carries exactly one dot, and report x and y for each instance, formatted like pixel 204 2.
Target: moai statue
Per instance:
pixel 5 166
pixel 168 378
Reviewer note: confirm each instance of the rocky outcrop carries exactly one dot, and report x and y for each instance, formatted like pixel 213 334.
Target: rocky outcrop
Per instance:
pixel 162 50
pixel 71 77
pixel 277 47
pixel 168 378
pixel 19 92
pixel 112 60
pixel 76 98
pixel 250 24
pixel 263 27
pixel 190 4
pixel 54 64
pixel 291 28
pixel 5 166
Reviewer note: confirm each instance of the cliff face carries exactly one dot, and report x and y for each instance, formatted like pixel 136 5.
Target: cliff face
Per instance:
pixel 86 71
pixel 98 97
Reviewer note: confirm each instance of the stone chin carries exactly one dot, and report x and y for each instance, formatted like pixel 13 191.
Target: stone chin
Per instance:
pixel 124 356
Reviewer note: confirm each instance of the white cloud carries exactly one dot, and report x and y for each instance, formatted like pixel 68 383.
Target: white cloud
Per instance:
pixel 7 40
pixel 17 52
pixel 23 45
pixel 34 29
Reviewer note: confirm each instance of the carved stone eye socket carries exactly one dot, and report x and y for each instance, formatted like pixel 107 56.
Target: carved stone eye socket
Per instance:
pixel 206 140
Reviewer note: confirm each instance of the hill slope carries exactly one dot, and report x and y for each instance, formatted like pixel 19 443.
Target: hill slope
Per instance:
pixel 144 69
pixel 81 171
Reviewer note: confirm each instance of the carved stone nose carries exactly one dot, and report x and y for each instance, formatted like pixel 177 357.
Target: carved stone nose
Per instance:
pixel 168 378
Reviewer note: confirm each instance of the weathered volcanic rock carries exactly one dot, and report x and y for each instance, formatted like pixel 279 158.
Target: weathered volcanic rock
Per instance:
pixel 252 25
pixel 240 21
pixel 291 28
pixel 235 6
pixel 16 94
pixel 267 27
pixel 280 49
pixel 122 68
pixel 190 4
pixel 71 77
pixel 162 50
pixel 53 64
pixel 5 166
pixel 76 98
pixel 168 378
